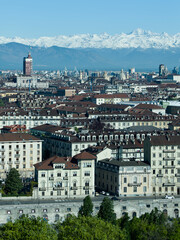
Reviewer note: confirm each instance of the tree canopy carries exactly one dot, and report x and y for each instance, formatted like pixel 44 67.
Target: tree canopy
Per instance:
pixel 88 228
pixel 106 210
pixel 27 229
pixel 87 207
pixel 13 183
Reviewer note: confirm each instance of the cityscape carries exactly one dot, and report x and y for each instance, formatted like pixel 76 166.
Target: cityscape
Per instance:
pixel 90 121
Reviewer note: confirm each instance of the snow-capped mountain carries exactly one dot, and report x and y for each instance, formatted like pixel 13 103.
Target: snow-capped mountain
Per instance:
pixel 136 39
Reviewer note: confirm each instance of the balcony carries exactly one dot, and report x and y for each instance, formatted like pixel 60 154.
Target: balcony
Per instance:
pixel 51 178
pixel 74 188
pixel 42 189
pixel 169 158
pixel 134 184
pixel 58 188
pixel 16 162
pixel 177 175
pixel 168 166
pixel 76 149
pixel 168 150
pixel 17 155
pixel 169 184
pixel 2 150
pixel 86 188
pixel 65 178
pixel 159 175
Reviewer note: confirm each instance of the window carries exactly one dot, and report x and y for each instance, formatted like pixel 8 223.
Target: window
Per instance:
pixel 74 174
pixel 57 210
pixel 68 209
pixel 134 189
pixel 31 146
pixel 51 193
pixel 125 189
pixel 166 171
pixel 20 211
pixel 164 205
pixel 74 192
pixel 42 174
pixel 154 171
pixel 24 165
pixel 124 207
pixel 8 212
pixel 160 155
pixel 144 179
pixel 58 174
pixel 125 180
pixel 144 189
pixel 148 205
pixel 44 210
pixel 33 211
pixel 87 173
pixel 24 146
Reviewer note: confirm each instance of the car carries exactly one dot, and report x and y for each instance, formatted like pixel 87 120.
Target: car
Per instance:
pixel 103 192
pixel 107 194
pixel 169 197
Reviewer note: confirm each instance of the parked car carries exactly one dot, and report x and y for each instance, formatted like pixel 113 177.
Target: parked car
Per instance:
pixel 107 194
pixel 169 197
pixel 103 192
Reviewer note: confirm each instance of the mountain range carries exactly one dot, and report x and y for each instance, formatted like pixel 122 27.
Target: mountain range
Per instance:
pixel 141 49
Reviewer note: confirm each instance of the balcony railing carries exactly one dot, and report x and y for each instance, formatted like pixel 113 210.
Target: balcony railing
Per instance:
pixel 168 166
pixel 42 189
pixel 58 188
pixel 74 188
pixel 134 184
pixel 168 150
pixel 51 178
pixel 159 175
pixel 168 184
pixel 65 178
pixel 169 158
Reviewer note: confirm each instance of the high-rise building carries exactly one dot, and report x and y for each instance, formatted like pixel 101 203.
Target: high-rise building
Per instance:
pixel 27 65
pixel 162 70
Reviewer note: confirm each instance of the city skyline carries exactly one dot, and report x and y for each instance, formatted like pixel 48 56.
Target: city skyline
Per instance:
pixel 44 18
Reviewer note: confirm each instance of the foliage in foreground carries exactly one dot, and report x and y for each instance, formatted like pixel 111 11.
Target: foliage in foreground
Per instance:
pixel 27 229
pixel 150 226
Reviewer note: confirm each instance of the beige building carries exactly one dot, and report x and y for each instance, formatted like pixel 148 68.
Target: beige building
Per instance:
pixel 65 177
pixel 124 178
pixel 163 154
pixel 20 151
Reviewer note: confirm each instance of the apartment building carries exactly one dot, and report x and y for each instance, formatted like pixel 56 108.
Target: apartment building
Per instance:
pixel 124 122
pixel 163 154
pixel 110 98
pixel 66 177
pixel 20 151
pixel 123 178
pixel 29 118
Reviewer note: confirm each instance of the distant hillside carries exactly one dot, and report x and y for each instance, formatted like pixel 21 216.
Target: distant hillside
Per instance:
pixel 52 58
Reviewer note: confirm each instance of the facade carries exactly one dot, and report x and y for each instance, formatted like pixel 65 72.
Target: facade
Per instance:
pixel 64 177
pixel 27 65
pixel 110 98
pixel 124 178
pixel 163 153
pixel 20 151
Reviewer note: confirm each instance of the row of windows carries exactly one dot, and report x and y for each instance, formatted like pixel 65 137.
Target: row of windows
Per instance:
pixel 44 210
pixel 165 188
pixel 18 146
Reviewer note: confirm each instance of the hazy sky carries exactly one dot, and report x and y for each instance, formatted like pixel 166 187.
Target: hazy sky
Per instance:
pixel 36 18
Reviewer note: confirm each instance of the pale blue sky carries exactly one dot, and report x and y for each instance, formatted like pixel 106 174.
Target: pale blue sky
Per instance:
pixel 36 18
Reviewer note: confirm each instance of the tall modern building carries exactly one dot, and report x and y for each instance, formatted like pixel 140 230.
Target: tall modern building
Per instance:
pixel 27 65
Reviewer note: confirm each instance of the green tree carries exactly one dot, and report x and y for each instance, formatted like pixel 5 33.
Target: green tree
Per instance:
pixel 87 207
pixel 88 228
pixel 13 183
pixel 106 210
pixel 28 229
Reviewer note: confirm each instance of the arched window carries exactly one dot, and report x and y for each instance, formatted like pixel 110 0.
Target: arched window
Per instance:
pixel 87 183
pixel 176 213
pixel 134 214
pixel 74 184
pixel 56 217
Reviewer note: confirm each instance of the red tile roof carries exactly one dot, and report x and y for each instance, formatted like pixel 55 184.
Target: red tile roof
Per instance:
pixel 84 156
pixel 48 163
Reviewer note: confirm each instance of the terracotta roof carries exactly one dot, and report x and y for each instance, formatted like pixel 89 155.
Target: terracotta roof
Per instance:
pixel 17 137
pixel 84 156
pixel 116 95
pixel 48 163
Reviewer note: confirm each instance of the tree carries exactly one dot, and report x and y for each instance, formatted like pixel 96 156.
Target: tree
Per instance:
pixel 106 210
pixel 87 207
pixel 13 183
pixel 27 228
pixel 88 228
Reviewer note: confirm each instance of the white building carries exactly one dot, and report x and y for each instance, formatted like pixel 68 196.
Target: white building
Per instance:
pixel 20 151
pixel 64 177
pixel 163 153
